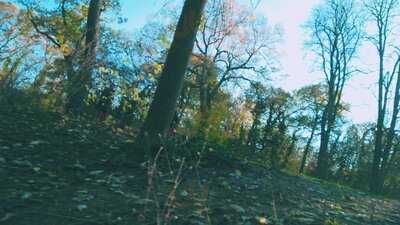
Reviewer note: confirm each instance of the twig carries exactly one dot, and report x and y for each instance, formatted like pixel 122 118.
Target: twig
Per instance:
pixel 274 207
pixel 172 195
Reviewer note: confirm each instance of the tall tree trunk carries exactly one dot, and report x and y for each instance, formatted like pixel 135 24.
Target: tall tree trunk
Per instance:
pixel 377 156
pixel 203 96
pixel 323 151
pixel 80 82
pixel 308 145
pixel 180 111
pixel 290 149
pixel 253 134
pixel 326 127
pixel 69 67
pixel 391 134
pixel 162 108
pixel 92 34
pixel 383 14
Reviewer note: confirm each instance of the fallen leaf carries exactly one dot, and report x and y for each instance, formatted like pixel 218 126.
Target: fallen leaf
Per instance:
pixel 184 193
pixel 262 220
pixel 6 217
pixel 238 208
pixel 26 195
pixel 81 207
pixel 96 172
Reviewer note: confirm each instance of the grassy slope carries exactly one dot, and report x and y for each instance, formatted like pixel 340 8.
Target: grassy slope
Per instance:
pixel 57 171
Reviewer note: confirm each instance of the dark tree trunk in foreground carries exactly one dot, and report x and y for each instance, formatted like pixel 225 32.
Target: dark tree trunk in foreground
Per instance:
pixel 162 108
pixel 80 82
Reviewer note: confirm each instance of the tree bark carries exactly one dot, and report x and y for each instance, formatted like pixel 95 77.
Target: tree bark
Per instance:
pixel 375 170
pixel 290 149
pixel 162 108
pixel 382 13
pixel 203 99
pixel 327 121
pixel 391 134
pixel 80 82
pixel 308 145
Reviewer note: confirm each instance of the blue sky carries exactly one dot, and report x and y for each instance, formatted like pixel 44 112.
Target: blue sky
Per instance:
pixel 139 12
pixel 296 67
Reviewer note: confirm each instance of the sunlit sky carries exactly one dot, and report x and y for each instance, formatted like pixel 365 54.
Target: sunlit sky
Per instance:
pixel 296 66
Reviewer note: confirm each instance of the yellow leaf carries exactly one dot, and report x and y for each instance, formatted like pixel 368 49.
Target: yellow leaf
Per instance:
pixel 263 220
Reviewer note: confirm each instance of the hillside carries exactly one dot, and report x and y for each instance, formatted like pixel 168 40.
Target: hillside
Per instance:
pixel 56 170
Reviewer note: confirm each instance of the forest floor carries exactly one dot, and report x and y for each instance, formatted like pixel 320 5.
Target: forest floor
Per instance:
pixel 56 171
